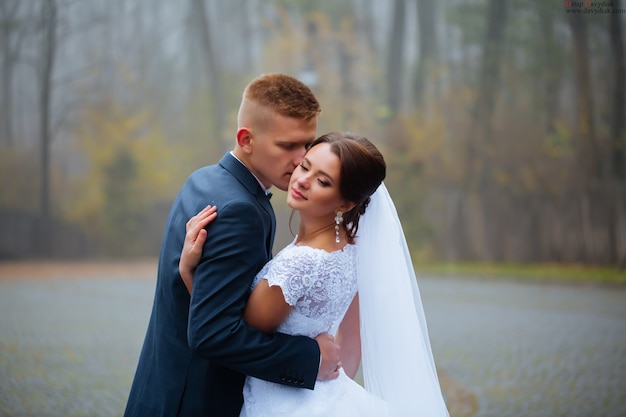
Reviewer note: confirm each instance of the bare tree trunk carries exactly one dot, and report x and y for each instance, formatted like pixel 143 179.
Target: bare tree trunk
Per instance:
pixel 618 139
pixel 550 75
pixel 247 28
pixel 49 21
pixel 480 134
pixel 620 224
pixel 395 59
pixel 427 33
pixel 496 21
pixel 587 244
pixel 347 89
pixel 201 29
pixel 365 23
pixel 588 150
pixel 8 25
pixel 619 80
pixel 490 79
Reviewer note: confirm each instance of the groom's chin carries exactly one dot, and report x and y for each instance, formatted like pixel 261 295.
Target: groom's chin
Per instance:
pixel 283 186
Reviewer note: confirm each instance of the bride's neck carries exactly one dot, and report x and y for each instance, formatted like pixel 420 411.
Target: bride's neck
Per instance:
pixel 314 231
pixel 320 236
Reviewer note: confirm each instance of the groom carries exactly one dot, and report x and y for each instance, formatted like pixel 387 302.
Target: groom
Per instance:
pixel 198 350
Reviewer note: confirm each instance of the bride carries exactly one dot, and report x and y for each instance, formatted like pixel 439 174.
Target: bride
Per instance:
pixel 348 272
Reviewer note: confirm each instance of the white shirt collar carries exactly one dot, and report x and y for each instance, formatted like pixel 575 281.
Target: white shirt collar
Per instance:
pixel 267 190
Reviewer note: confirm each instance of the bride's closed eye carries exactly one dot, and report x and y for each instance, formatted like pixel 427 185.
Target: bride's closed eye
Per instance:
pixel 321 181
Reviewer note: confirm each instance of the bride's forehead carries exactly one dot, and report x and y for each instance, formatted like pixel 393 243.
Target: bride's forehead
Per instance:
pixel 322 153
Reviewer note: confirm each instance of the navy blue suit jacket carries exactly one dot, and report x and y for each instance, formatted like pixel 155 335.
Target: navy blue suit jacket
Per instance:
pixel 198 349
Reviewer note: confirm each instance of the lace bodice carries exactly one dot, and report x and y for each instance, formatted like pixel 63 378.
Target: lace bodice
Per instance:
pixel 319 285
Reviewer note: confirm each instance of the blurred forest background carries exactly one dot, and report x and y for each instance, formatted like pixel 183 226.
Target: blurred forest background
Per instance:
pixel 503 122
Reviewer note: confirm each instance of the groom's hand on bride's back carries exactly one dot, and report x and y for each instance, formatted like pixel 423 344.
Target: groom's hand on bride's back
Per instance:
pixel 331 357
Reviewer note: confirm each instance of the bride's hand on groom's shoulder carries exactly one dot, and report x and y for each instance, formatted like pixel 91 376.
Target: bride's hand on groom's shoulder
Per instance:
pixel 195 237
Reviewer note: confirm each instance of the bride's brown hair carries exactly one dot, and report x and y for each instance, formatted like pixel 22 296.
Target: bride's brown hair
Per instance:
pixel 363 169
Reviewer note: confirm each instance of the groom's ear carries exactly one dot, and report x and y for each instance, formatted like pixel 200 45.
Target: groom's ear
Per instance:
pixel 244 139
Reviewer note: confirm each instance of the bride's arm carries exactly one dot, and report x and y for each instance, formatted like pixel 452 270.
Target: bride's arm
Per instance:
pixel 192 248
pixel 266 308
pixel 349 338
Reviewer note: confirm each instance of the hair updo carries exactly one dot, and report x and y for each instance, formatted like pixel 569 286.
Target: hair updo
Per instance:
pixel 362 170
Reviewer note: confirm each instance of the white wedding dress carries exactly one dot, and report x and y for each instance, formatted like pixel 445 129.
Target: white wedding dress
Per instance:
pixel 320 286
pixel 399 371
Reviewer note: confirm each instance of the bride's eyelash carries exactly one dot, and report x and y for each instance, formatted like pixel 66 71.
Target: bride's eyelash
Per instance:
pixel 322 182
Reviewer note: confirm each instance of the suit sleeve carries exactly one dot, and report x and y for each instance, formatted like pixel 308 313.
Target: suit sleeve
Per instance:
pixel 233 253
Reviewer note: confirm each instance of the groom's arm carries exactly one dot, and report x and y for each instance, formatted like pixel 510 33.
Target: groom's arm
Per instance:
pixel 266 309
pixel 233 253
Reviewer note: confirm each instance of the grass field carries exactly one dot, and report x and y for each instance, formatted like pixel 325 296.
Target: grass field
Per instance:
pixel 565 273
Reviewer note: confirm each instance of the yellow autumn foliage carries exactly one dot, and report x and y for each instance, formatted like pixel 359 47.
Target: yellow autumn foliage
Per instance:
pixel 126 167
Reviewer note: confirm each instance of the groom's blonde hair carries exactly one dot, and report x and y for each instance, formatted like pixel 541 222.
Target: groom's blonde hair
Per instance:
pixel 274 93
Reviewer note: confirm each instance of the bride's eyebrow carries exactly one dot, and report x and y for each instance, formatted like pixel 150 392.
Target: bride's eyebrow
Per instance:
pixel 327 175
pixel 324 173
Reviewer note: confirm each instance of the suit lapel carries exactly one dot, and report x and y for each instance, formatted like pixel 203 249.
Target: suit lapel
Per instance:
pixel 264 202
pixel 241 172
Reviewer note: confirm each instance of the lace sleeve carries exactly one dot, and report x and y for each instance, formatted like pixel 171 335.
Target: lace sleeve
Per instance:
pixel 293 271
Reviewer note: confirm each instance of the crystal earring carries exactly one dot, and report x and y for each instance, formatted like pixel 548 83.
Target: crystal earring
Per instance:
pixel 338 220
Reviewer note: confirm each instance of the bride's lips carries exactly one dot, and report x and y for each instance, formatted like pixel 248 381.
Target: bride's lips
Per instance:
pixel 297 194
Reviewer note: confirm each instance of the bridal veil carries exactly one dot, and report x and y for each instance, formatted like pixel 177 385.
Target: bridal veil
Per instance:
pixel 397 360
